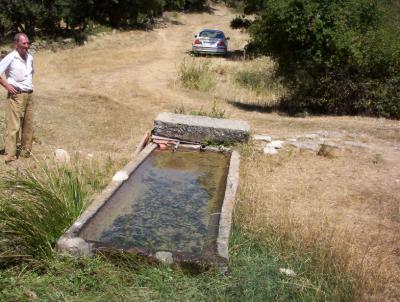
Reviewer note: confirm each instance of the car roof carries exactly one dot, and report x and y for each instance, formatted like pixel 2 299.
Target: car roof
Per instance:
pixel 211 30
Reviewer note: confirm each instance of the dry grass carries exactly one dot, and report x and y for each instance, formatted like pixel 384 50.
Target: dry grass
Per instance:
pixel 101 98
pixel 349 209
pixel 196 75
pixel 252 83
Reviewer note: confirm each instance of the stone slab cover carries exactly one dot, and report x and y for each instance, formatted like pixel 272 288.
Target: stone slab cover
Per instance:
pixel 200 129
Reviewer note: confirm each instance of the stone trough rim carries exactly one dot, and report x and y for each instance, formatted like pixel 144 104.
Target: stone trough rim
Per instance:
pixel 71 243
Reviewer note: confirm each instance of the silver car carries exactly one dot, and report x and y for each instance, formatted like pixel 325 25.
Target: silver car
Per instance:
pixel 210 41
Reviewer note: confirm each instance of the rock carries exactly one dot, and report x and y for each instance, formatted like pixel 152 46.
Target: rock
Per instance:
pixel 165 257
pixel 356 144
pixel 325 133
pixel 311 136
pixel 306 146
pixel 331 145
pixel 120 176
pixel 200 128
pixel 288 272
pixel 262 137
pixel 270 150
pixel 74 246
pixel 276 144
pixel 62 156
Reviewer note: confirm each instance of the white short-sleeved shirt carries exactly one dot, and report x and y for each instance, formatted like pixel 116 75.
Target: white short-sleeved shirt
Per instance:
pixel 19 72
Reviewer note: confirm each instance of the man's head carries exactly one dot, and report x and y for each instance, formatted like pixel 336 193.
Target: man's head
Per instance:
pixel 21 44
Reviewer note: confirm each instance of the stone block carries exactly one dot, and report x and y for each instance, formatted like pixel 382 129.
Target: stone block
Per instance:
pixel 74 246
pixel 199 129
pixel 164 257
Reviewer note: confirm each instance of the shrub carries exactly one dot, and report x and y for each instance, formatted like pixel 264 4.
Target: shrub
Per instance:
pixel 258 77
pixel 240 22
pixel 196 75
pixel 255 80
pixel 336 56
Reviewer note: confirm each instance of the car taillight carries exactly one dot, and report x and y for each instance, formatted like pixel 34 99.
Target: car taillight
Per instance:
pixel 197 41
pixel 221 43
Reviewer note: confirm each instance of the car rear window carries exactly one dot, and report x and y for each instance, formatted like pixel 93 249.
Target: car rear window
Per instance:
pixel 211 34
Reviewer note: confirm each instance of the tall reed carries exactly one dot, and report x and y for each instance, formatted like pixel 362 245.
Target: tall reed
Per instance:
pixel 37 206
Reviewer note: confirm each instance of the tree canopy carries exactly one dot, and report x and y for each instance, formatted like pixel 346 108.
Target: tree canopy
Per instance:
pixel 337 56
pixel 49 17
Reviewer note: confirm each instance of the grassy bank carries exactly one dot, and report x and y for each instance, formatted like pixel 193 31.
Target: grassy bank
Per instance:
pixel 254 276
pixel 37 204
pixel 256 263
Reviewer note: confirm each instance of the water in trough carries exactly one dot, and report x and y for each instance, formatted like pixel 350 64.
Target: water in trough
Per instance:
pixel 169 203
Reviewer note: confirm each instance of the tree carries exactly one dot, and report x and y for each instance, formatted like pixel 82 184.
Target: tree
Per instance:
pixel 334 54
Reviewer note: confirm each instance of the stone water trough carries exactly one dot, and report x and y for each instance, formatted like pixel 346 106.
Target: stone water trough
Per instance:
pixel 173 202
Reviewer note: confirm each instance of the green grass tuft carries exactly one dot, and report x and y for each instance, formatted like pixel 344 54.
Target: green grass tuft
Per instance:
pixel 254 276
pixel 255 80
pixel 37 207
pixel 196 75
pixel 215 111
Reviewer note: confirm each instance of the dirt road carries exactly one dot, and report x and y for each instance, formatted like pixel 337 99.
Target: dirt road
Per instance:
pixel 105 95
pixel 100 98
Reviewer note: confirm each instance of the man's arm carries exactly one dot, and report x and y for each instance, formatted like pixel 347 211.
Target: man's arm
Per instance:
pixel 7 86
pixel 3 66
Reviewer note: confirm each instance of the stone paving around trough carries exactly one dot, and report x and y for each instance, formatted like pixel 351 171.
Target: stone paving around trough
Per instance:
pixel 332 141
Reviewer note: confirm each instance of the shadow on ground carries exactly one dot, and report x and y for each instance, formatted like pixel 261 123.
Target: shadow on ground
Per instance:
pixel 253 107
pixel 234 55
pixel 280 108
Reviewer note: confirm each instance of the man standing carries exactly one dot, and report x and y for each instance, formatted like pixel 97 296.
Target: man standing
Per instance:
pixel 18 68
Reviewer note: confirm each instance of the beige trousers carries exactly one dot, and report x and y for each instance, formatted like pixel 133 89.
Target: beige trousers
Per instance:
pixel 19 118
